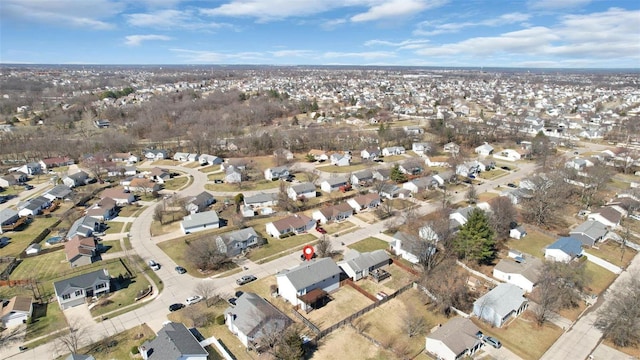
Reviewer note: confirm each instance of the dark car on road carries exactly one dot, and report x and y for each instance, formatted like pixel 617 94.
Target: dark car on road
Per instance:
pixel 505 168
pixel 512 185
pixel 175 307
pixel 180 270
pixel 246 279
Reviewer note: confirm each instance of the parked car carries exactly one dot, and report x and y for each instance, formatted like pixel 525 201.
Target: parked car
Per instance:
pixel 471 176
pixel 321 230
pixel 246 279
pixel 194 299
pixel 512 185
pixel 218 181
pixel 22 348
pixel 492 341
pixel 180 270
pixel 175 307
pixel 28 187
pixel 154 265
pixel 505 168
pixel 381 295
pixel 232 301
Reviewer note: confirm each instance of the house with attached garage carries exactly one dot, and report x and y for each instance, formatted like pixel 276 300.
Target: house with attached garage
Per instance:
pixel 370 153
pixel 142 185
pixel 519 269
pixel 460 216
pixel 291 225
pixel 608 215
pixel 364 202
pixel 159 175
pixel 155 154
pixel 234 242
pixel 103 210
pixel 253 318
pixel 451 148
pixel 458 338
pixel 30 169
pixel 50 163
pixel 275 173
pixel 484 149
pixel 206 159
pixel 319 155
pixel 500 304
pixel 261 200
pixel 73 291
pixel 199 222
pixel 174 341
pixel 518 232
pixel 34 206
pixel 444 177
pixel 337 212
pixel 304 190
pixel 333 184
pixel 339 159
pixel 564 249
pixel 359 265
pixel 421 148
pixel 84 226
pixel 74 180
pixel 80 250
pixel 393 150
pixel 362 177
pixel 119 195
pixel 232 175
pixel 16 311
pixel 308 284
pixel 200 202
pixel 589 232
pixel 420 184
pixel 125 157
pixel 407 246
pixel 9 180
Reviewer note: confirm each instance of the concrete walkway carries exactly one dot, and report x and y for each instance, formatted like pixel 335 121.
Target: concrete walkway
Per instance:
pixel 603 263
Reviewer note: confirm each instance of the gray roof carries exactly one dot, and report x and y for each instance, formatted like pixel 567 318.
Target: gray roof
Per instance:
pixel 174 341
pixel 364 174
pixel 361 261
pixel 82 226
pixel 569 245
pixel 458 334
pixel 81 281
pixel 252 314
pixel 60 191
pixel 238 235
pixel 260 198
pixel 529 268
pixel 589 232
pixel 311 272
pixel 79 357
pixel 198 219
pixel 336 181
pixel 303 188
pixel 202 198
pixel 503 299
pixel 6 214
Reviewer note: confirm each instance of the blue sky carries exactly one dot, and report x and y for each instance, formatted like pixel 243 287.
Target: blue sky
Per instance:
pixel 491 33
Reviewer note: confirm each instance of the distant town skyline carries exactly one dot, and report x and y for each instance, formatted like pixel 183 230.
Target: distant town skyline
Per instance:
pixel 445 33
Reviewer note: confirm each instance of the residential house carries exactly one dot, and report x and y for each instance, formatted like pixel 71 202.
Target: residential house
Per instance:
pixel 339 159
pixel 283 154
pixel 451 148
pixel 200 202
pixel 381 174
pixel 142 185
pixel 159 175
pixel 500 304
pixel 332 213
pixel 520 270
pixel 193 157
pixel 333 184
pixel 518 232
pixel 364 202
pixel 393 150
pixel 125 157
pixel 420 184
pixel 9 180
pixel 200 221
pixel 564 249
pixel 103 210
pixel 304 190
pixel 458 338
pixel 52 162
pixel 578 164
pixel 589 232
pixel 407 246
pixel 234 242
pixel 77 179
pixel 8 217
pixel 80 250
pixel 119 195
pixel 16 311
pixel 73 291
pixel 319 155
pixel 275 173
pixel 34 206
pixel 484 149
pixel 609 216
pixel 308 284
pixel 84 226
pixel 421 148
pixel 261 200
pixel 291 225
pixel 360 265
pixel 253 318
pixel 30 169
pixel 460 216
pixel 411 167
pixel 58 192
pixel 232 175
pixel 413 130
pixel 362 177
pixel 155 154
pixel 174 342
pixel 508 155
pixel 370 153
pixel 469 168
pixel 391 191
pixel 444 177
pixel 206 159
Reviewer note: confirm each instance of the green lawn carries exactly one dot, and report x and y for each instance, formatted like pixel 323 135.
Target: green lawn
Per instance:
pixel 42 267
pixel 369 244
pixel 612 252
pixel 21 239
pixel 600 278
pixel 112 245
pixel 130 210
pixel 244 186
pixel 532 244
pixel 210 168
pixel 177 182
pixel 275 246
pixel 492 174
pixel 114 228
pixel 121 344
pixel 46 318
pixel 192 164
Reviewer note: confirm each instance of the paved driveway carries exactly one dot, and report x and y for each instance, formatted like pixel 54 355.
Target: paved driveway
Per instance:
pixel 79 315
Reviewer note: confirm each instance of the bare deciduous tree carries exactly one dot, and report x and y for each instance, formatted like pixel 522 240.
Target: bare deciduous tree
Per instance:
pixel 205 255
pixel 472 195
pixel 413 324
pixel 208 292
pixel 72 340
pixel 503 213
pixel 619 320
pixel 324 248
pixel 549 194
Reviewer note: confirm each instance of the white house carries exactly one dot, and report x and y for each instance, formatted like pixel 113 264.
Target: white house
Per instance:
pixel 337 212
pixel 522 271
pixel 232 175
pixel 518 232
pixel 16 312
pixel 304 190
pixel 421 148
pixel 73 291
pixel 338 159
pixel 155 154
pixel 364 202
pixel 456 339
pixel 564 249
pixel 359 265
pixel 407 246
pixel 508 154
pixel 608 216
pixel 200 221
pixel 291 225
pixel 393 150
pixel 451 148
pixel 370 154
pixel 333 184
pixel 181 156
pixel 174 341
pixel 309 283
pixel 484 149
pixel 234 242
pixel 500 304
pixel 275 173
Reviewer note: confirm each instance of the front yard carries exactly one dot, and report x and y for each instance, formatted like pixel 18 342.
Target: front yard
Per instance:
pixel 599 278
pixel 176 249
pixel 369 244
pixel 346 343
pixel 612 252
pixel 532 244
pixel 177 182
pixel 119 345
pixel 275 246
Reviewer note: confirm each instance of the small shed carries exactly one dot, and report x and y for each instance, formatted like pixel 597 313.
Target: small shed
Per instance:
pixel 518 232
pixel 33 249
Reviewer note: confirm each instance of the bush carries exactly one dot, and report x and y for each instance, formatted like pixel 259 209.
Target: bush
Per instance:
pixel 220 320
pixel 134 350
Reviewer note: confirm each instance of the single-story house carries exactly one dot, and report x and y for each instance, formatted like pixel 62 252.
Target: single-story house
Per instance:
pixel 30 169
pixel 460 216
pixel 508 154
pixel 319 155
pixel 53 162
pixel 77 179
pixel 359 265
pixel 518 232
pixel 58 192
pixel 199 222
pixel 234 242
pixel 522 271
pixel 142 185
pixel 232 175
pixel 500 304
pixel 564 249
pixel 8 180
pixel 420 184
pixel 125 157
pixel 155 154
pixel 73 291
pixel 206 159
pixel 333 184
pixel 159 175
pixel 589 232
pixel 119 195
pixel 337 212
pixel 607 215
pixel 370 153
pixel 34 206
pixel 407 246
pixel 390 191
pixel 84 226
pixel 304 190
pixel 7 217
pixel 105 209
pixel 443 177
pixel 364 202
pixel 456 339
pixel 362 177
pixel 275 173
pixel 484 149
pixel 16 311
pixel 200 202
pixel 252 318
pixel 421 148
pixel 261 200
pixel 382 174
pixel 393 150
pixel 294 224
pixel 309 283
pixel 338 159
pixel 80 250
pixel 174 341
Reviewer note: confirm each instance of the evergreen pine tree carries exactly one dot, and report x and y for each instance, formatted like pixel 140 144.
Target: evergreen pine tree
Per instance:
pixel 475 240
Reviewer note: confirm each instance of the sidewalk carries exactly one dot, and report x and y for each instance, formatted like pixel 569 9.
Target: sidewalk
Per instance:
pixel 603 263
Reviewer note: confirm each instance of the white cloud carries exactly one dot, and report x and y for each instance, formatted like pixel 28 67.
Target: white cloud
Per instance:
pixel 402 45
pixel 292 53
pixel 136 40
pixel 170 19
pixel 74 13
pixel 213 57
pixel 430 28
pixel 396 8
pixel 360 55
pixel 556 4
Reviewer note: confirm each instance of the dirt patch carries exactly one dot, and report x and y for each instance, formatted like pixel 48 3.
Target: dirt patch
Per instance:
pixel 346 343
